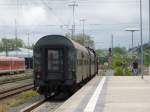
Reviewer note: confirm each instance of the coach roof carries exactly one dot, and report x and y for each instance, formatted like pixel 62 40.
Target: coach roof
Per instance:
pixel 59 40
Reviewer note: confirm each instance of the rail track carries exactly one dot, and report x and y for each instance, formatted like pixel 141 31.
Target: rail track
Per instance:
pixel 16 90
pixel 52 105
pixel 43 105
pixel 34 106
pixel 15 79
pixel 17 73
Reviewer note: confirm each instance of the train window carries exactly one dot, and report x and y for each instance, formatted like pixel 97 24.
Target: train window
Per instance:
pixel 55 60
pixel 4 63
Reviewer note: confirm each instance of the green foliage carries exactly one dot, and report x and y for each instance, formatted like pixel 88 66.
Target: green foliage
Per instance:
pixel 103 60
pixel 147 56
pixel 10 44
pixel 117 63
pixel 146 49
pixel 120 51
pixel 127 71
pixel 101 53
pixel 121 65
pixel 83 40
pixel 118 71
pixel 29 47
pixel 17 100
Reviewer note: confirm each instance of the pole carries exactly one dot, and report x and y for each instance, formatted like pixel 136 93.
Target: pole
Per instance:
pixel 71 30
pixel 16 37
pixel 112 42
pixel 73 5
pixel 132 39
pixel 132 45
pixel 16 27
pixel 83 31
pixel 28 51
pixel 73 20
pixel 149 21
pixel 16 32
pixel 28 40
pixel 112 39
pixel 141 34
pixel 6 49
pixel 83 28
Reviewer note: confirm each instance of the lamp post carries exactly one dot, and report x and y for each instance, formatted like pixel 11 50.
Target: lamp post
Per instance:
pixel 149 21
pixel 141 34
pixel 132 30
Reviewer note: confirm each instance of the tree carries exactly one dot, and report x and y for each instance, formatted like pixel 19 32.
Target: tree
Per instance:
pixel 10 44
pixel 101 53
pixel 29 47
pixel 146 53
pixel 83 40
pixel 120 51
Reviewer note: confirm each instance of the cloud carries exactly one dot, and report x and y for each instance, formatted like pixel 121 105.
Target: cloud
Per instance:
pixel 114 15
pixel 33 15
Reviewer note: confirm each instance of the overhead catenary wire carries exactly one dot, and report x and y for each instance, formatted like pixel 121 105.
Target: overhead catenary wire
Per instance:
pixel 81 2
pixel 64 2
pixel 51 10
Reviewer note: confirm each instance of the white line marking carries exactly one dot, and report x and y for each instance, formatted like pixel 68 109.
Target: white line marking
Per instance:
pixel 92 103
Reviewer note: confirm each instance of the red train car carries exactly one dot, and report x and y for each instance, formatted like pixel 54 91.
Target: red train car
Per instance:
pixel 11 64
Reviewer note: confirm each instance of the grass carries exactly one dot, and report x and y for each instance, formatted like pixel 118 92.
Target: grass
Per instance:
pixel 3 108
pixel 20 99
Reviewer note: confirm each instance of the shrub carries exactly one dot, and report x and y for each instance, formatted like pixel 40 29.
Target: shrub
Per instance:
pixel 128 72
pixel 23 97
pixel 118 71
pixel 117 63
pixel 18 100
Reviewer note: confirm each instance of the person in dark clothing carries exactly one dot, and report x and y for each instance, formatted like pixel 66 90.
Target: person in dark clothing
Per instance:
pixel 135 68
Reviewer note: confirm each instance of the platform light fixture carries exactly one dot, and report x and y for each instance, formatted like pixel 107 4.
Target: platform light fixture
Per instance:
pixel 132 30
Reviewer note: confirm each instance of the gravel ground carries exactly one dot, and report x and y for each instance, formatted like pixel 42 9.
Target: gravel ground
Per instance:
pixel 48 106
pixel 27 104
pixel 14 84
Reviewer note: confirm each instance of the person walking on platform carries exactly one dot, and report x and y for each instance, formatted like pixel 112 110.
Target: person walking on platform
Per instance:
pixel 135 68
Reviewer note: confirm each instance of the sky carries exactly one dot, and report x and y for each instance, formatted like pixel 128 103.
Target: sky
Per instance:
pixel 104 18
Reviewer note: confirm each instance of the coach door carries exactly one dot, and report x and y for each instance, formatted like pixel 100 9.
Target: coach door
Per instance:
pixel 55 63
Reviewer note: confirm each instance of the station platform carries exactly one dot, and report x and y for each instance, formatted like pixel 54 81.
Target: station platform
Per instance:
pixel 111 94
